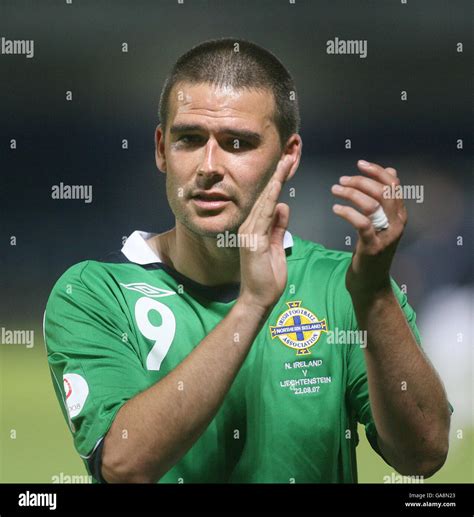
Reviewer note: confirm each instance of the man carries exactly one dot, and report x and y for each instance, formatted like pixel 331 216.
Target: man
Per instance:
pixel 203 354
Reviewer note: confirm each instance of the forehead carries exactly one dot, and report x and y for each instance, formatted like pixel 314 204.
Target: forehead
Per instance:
pixel 213 105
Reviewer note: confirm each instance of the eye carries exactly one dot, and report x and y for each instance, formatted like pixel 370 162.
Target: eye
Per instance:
pixel 190 139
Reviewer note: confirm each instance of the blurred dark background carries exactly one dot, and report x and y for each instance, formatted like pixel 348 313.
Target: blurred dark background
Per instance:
pixel 78 47
pixel 411 47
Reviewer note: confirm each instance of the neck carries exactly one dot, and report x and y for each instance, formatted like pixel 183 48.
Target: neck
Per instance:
pixel 198 257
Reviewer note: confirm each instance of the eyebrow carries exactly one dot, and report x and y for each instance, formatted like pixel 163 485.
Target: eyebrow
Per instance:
pixel 238 133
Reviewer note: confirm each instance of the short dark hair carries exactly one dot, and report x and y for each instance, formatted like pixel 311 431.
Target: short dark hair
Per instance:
pixel 239 64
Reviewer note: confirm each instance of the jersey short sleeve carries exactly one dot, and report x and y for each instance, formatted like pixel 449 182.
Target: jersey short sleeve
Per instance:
pixel 92 354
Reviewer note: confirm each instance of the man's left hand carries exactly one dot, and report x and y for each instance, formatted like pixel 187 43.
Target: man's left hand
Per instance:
pixel 370 268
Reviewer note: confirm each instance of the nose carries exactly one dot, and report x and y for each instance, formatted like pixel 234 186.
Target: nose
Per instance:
pixel 210 167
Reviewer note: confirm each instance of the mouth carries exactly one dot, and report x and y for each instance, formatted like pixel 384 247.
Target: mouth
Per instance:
pixel 210 200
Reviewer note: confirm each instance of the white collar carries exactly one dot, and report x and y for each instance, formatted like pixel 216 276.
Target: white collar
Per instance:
pixel 138 251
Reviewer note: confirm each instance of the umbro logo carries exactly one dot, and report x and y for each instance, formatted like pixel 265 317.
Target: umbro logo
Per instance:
pixel 148 290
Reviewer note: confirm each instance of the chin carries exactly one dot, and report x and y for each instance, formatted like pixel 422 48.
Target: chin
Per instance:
pixel 211 226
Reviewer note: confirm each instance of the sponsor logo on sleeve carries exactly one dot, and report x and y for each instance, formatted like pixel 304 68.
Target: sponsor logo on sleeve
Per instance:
pixel 76 390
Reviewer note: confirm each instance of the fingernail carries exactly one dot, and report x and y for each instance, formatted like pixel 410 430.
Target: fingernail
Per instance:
pixel 344 179
pixel 364 163
pixel 336 188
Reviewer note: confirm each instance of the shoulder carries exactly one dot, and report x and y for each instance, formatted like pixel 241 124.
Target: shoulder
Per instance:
pixel 73 274
pixel 86 280
pixel 81 273
pixel 94 270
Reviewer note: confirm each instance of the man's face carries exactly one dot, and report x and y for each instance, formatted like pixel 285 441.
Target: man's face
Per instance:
pixel 220 148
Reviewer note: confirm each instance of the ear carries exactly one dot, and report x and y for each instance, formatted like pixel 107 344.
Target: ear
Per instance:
pixel 293 147
pixel 160 156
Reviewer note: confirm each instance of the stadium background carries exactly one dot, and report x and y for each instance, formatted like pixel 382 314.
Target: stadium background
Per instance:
pixel 78 47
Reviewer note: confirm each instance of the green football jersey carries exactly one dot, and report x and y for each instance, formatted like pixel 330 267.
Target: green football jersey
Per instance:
pixel 115 327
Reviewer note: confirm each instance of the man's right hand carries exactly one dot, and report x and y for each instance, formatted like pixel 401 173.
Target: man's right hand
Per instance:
pixel 263 269
pixel 164 422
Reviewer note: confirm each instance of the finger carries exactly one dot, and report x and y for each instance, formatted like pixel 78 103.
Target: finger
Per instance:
pixel 377 191
pixel 398 201
pixel 283 169
pixel 266 215
pixel 368 205
pixel 280 224
pixel 257 207
pixel 262 212
pixel 377 172
pixel 360 222
pixel 368 186
pixel 392 205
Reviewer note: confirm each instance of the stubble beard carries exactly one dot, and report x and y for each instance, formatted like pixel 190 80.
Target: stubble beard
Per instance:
pixel 182 211
pixel 186 216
